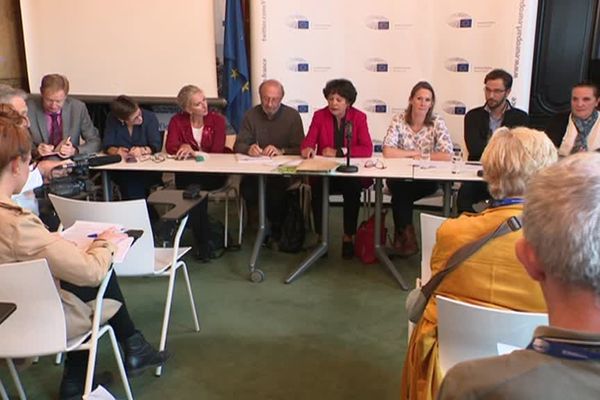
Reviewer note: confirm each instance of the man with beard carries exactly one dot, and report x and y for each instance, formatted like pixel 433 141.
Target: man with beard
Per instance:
pixel 481 123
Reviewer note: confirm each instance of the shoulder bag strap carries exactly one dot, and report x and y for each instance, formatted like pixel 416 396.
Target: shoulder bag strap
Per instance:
pixel 512 224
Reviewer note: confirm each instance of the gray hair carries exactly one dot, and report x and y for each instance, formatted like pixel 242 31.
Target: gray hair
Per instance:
pixel 561 219
pixel 512 156
pixel 7 93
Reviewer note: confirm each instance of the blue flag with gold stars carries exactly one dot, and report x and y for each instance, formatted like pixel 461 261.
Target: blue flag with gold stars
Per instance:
pixel 237 79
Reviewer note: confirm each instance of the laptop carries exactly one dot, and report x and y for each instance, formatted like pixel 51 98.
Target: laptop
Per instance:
pixel 6 309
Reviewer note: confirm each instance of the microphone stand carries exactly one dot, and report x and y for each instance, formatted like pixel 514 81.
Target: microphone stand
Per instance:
pixel 348 168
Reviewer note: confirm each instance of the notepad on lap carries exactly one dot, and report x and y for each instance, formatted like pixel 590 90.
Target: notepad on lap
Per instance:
pixel 82 233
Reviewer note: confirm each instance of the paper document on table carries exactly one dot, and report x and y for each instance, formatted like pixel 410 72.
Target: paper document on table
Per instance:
pixel 83 233
pixel 317 164
pixel 242 158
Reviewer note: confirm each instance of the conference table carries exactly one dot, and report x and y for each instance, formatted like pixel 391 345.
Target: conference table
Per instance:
pixel 400 168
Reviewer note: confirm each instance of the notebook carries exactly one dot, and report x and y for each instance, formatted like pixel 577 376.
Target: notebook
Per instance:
pixel 317 164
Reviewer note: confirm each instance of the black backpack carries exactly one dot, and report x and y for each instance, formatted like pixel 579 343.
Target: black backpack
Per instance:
pixel 216 238
pixel 292 227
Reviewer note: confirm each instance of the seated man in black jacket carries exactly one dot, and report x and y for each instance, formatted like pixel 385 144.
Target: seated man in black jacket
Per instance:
pixel 579 129
pixel 480 124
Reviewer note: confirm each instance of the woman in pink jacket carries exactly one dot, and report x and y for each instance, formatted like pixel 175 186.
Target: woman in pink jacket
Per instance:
pixel 327 137
pixel 196 129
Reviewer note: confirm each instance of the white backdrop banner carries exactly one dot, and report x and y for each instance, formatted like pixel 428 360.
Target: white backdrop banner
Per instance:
pixel 386 46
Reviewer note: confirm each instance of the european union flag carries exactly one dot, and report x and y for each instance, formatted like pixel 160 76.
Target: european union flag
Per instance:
pixel 237 79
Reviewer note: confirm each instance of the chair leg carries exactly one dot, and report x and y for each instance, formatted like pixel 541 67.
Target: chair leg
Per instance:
pixel 241 220
pixel 226 231
pixel 167 314
pixel 3 394
pixel 115 346
pixel 191 295
pixel 91 367
pixel 15 377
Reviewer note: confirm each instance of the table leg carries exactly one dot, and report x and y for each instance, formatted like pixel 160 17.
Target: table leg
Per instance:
pixel 379 249
pixel 256 275
pixel 322 247
pixel 447 187
pixel 106 192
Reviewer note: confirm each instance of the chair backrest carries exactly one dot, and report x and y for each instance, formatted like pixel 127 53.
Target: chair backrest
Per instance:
pixel 163 149
pixel 429 226
pixel 230 141
pixel 468 331
pixel 37 327
pixel 131 214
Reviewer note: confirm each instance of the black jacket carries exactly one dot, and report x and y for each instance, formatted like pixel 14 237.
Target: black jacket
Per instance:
pixel 557 127
pixel 477 126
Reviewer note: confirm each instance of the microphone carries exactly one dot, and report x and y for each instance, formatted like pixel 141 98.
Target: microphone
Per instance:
pixel 104 160
pixel 348 168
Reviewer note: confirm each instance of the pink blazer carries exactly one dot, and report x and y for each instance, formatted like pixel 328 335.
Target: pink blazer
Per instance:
pixel 180 132
pixel 320 133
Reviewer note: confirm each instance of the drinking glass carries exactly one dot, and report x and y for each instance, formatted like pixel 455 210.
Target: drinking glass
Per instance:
pixel 425 159
pixel 457 161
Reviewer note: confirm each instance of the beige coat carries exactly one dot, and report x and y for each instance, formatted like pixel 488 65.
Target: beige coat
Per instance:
pixel 24 237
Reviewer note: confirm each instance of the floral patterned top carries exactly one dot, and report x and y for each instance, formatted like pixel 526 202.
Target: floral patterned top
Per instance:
pixel 399 135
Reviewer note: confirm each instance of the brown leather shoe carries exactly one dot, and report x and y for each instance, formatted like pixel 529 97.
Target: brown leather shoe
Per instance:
pixel 398 244
pixel 410 242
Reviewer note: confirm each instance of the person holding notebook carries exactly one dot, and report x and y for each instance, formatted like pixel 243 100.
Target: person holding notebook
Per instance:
pixel 77 272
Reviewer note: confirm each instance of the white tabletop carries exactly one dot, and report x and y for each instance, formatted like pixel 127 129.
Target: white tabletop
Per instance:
pixel 229 163
pixel 442 171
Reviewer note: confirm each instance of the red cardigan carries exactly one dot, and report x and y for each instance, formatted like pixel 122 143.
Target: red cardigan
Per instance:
pixel 320 134
pixel 180 132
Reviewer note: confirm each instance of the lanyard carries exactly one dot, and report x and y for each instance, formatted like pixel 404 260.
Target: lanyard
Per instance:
pixel 564 350
pixel 507 201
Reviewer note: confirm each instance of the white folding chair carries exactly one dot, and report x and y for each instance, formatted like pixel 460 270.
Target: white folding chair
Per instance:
pixel 37 327
pixel 429 226
pixel 143 259
pixel 467 331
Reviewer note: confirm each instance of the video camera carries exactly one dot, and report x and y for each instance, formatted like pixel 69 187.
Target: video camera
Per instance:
pixel 74 180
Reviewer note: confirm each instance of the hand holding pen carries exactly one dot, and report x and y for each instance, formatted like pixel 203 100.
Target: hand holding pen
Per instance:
pixel 112 235
pixel 255 150
pixel 308 152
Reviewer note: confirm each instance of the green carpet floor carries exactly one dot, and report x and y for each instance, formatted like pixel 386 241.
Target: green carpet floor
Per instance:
pixel 337 332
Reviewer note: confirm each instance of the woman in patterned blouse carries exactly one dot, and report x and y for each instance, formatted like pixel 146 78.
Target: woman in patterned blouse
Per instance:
pixel 409 132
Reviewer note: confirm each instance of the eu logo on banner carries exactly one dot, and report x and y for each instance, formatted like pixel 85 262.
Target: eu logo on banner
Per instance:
pixel 302 67
pixel 381 67
pixel 462 67
pixel 465 23
pixel 460 110
pixel 383 25
pixel 302 108
pixel 380 108
pixel 303 24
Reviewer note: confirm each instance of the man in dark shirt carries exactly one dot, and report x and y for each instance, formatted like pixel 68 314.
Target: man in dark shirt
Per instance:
pixel 480 124
pixel 270 129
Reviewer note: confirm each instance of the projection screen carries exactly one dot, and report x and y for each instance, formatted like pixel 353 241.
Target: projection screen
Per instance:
pixel 143 48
